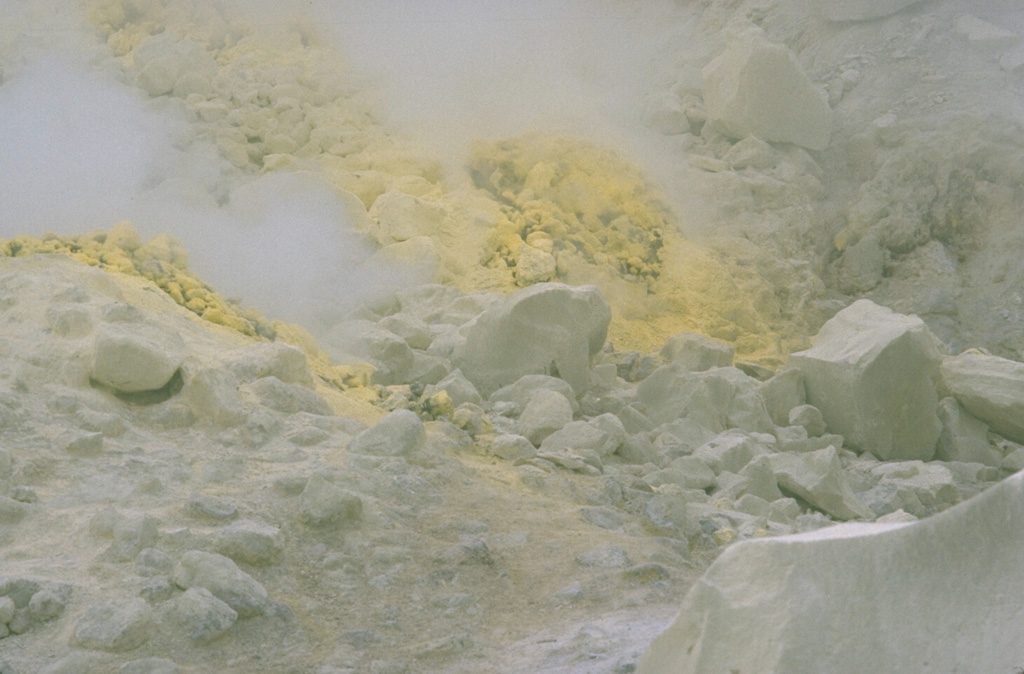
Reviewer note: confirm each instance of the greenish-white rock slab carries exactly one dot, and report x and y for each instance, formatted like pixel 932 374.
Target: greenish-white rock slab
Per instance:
pixel 938 595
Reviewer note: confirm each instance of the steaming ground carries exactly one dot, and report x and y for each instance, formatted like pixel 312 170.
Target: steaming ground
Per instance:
pixel 322 162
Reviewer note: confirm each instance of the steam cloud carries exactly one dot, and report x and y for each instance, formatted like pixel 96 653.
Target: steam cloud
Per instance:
pixel 80 150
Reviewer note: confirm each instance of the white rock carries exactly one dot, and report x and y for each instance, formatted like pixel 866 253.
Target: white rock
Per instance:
pixel 520 393
pixel 203 616
pixel 859 598
pixel 284 397
pixel 782 393
pixel 870 373
pixel 990 388
pixel 250 542
pixel 964 437
pixel 602 437
pixel 414 331
pixel 858 10
pixel 223 579
pixel 115 626
pixel 534 266
pixel 390 355
pixel 459 389
pixel 983 34
pixel 136 357
pixel 756 88
pixel 398 434
pixel 918 488
pixel 810 418
pixel 324 504
pixel 6 610
pixel 276 359
pixel 730 451
pixel 697 353
pixel 818 478
pixel 686 471
pixel 717 399
pixel 212 394
pixel 543 329
pixel 546 412
pixel 512 447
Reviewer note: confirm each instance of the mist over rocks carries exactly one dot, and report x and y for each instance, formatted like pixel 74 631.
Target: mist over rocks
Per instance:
pixel 482 471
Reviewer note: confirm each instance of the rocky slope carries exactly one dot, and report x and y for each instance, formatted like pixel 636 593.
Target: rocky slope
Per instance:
pixel 535 392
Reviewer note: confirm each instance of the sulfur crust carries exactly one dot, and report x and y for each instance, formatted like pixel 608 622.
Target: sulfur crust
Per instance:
pixel 281 102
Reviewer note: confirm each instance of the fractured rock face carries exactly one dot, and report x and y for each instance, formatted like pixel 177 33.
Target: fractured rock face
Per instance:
pixel 859 598
pixel 548 328
pixel 990 388
pixel 756 88
pixel 870 373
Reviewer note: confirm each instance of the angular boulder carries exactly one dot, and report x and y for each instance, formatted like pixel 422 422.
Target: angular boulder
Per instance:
pixel 818 478
pixel 860 598
pixel 990 388
pixel 548 328
pixel 870 372
pixel 756 88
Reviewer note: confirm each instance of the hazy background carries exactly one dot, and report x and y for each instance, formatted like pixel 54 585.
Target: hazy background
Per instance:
pixel 81 150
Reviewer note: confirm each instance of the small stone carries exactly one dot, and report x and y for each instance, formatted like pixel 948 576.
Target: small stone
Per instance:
pixel 250 542
pixel 83 444
pixel 6 610
pixel 224 579
pixel 158 589
pixel 810 418
pixel 696 353
pixel 286 398
pixel 24 494
pixel 512 447
pixel 646 573
pixel 210 507
pixel 818 478
pixel 46 605
pixel 132 534
pixel 398 434
pixel 203 616
pixel 115 626
pixel 153 562
pixel 324 504
pixel 545 413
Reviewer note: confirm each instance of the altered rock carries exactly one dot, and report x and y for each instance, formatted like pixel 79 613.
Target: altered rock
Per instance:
pixel 116 626
pixel 548 328
pixel 756 88
pixel 134 357
pixel 223 579
pixel 870 373
pixel 797 604
pixel 990 388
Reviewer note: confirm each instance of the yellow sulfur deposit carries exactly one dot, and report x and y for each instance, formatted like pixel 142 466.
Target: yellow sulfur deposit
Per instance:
pixel 164 261
pixel 524 210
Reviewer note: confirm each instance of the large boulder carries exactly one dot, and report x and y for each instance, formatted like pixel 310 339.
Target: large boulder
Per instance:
pixel 756 88
pixel 860 598
pixel 548 328
pixel 870 373
pixel 990 388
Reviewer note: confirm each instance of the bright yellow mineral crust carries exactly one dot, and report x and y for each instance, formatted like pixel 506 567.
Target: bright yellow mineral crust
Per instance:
pixel 164 261
pixel 528 209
